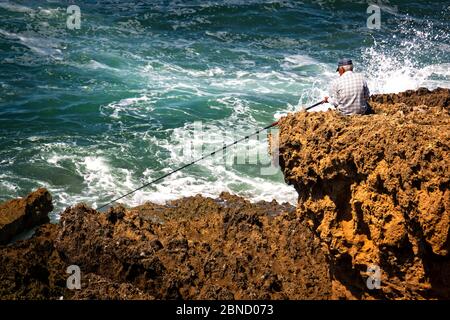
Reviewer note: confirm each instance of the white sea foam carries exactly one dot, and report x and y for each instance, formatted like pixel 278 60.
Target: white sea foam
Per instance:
pixel 93 64
pixel 393 76
pixel 13 7
pixel 97 175
pixel 37 44
pixel 187 186
pixel 55 159
pixel 403 66
pixel 9 186
pixel 105 181
pixel 214 177
pixel 49 12
pixel 128 106
pixel 35 138
pixel 295 61
pixel 217 176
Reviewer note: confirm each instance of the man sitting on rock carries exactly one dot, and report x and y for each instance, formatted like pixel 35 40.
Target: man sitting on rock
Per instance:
pixel 349 93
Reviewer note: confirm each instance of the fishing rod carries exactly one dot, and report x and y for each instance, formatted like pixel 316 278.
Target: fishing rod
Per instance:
pixel 199 159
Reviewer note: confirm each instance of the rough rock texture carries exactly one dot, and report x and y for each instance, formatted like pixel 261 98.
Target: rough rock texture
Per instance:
pixel 32 269
pixel 19 215
pixel 192 248
pixel 95 287
pixel 375 190
pixel 412 98
pixel 199 248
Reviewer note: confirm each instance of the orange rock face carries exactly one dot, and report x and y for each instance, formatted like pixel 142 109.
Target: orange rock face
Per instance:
pixel 19 215
pixel 375 190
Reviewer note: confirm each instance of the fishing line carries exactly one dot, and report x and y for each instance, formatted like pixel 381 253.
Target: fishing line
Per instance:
pixel 199 159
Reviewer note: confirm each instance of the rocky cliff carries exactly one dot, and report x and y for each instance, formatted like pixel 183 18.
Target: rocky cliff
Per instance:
pixel 375 190
pixel 373 201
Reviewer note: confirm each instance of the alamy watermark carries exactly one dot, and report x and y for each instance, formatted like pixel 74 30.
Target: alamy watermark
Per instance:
pixel 374 20
pixel 374 280
pixel 73 282
pixel 374 10
pixel 74 19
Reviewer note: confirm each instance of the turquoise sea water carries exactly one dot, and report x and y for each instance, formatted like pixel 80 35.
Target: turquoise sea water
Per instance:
pixel 95 112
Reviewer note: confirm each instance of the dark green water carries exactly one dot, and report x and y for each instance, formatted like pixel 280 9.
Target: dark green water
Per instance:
pixel 95 112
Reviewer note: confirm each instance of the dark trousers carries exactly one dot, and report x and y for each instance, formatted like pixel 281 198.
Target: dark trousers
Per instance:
pixel 369 110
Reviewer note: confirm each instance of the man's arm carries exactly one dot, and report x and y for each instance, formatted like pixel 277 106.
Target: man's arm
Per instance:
pixel 333 99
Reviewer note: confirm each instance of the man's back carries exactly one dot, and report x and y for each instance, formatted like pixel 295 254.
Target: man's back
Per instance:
pixel 349 93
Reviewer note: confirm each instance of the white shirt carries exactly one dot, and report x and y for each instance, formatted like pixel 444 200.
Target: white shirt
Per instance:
pixel 349 93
